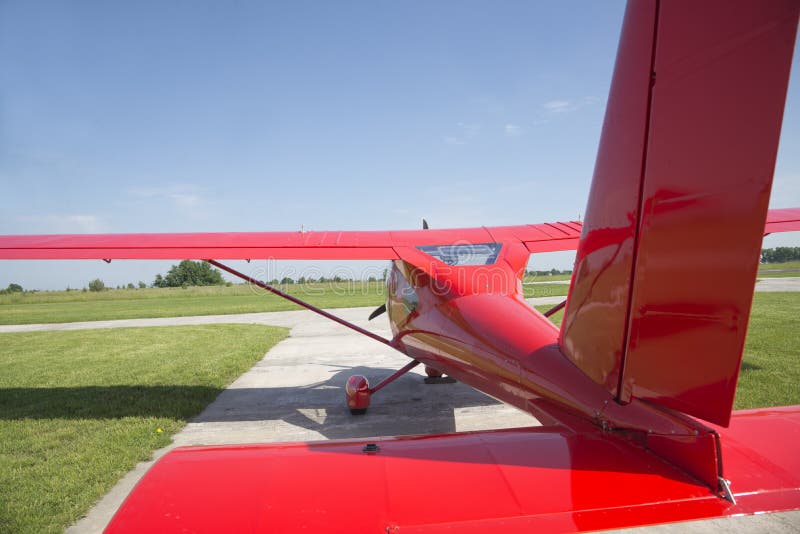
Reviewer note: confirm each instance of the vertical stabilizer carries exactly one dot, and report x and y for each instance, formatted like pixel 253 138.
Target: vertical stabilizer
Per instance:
pixel 666 266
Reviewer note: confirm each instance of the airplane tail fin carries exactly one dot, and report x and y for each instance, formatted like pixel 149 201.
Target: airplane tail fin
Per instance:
pixel 665 269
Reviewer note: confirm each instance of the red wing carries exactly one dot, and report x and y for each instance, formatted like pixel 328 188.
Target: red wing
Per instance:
pixel 369 245
pixel 522 480
pixel 353 245
pixel 782 220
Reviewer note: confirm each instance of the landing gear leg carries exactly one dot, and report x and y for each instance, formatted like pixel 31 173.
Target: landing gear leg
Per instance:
pixel 359 393
pixel 435 376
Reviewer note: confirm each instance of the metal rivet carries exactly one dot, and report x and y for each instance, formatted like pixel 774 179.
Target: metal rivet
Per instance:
pixel 371 448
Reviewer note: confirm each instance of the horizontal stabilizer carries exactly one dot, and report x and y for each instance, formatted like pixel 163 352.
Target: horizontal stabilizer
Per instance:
pixel 523 480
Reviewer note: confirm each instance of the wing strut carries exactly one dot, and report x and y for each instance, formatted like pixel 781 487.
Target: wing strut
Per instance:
pixel 302 303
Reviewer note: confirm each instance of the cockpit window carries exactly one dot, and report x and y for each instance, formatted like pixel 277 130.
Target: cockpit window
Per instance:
pixel 481 254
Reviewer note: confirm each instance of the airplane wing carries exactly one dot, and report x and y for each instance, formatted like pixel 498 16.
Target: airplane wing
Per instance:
pixel 782 220
pixel 352 245
pixel 549 479
pixel 346 245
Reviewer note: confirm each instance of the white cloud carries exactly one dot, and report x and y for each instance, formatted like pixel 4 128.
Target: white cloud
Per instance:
pixel 512 130
pixel 181 195
pixel 563 105
pixel 559 106
pixel 466 132
pixel 469 130
pixel 75 223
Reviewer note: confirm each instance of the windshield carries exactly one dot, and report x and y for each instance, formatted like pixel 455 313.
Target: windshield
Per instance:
pixel 480 254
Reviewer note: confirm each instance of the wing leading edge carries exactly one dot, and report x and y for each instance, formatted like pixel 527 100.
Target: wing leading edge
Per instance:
pixel 347 245
pixel 353 245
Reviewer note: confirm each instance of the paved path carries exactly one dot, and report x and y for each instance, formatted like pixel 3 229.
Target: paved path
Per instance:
pixel 790 283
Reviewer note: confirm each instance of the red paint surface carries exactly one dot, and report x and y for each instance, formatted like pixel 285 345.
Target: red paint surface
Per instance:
pixel 680 192
pixel 484 334
pixel 367 245
pixel 782 220
pixel 593 328
pixel 357 392
pixel 510 481
pixel 376 245
pixel 703 213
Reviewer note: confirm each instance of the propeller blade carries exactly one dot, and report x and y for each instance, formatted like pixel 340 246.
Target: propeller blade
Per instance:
pixel 379 310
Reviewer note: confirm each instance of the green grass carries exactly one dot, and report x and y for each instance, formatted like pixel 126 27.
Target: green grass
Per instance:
pixel 556 317
pixel 771 367
pixel 786 265
pixel 791 268
pixel 545 290
pixel 71 306
pixel 80 409
pixel 546 278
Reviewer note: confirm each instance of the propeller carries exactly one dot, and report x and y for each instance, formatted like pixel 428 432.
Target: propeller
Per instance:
pixel 379 310
pixel 382 308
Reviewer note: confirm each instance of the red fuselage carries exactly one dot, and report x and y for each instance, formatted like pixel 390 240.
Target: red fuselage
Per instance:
pixel 473 323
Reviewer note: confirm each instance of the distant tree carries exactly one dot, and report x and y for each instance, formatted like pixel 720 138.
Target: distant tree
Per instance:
pixel 286 280
pixel 301 280
pixel 131 286
pixel 142 285
pixel 14 288
pixel 371 279
pixel 96 285
pixel 780 254
pixel 190 273
pixel 322 279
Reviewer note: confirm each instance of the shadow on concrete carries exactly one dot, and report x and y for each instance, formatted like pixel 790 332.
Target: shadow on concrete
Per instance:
pixel 407 406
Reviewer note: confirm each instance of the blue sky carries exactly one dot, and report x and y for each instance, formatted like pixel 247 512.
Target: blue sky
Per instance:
pixel 256 116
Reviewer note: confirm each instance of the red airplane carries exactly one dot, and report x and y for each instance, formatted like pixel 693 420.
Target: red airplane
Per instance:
pixel 680 192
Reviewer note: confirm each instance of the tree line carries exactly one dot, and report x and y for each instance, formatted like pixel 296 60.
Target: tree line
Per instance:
pixel 780 254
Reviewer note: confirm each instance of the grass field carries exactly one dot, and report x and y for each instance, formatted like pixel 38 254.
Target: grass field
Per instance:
pixel 781 270
pixel 80 409
pixel 771 367
pixel 70 306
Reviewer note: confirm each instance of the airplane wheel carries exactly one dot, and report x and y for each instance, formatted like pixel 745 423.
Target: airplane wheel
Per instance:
pixel 433 373
pixel 358 394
